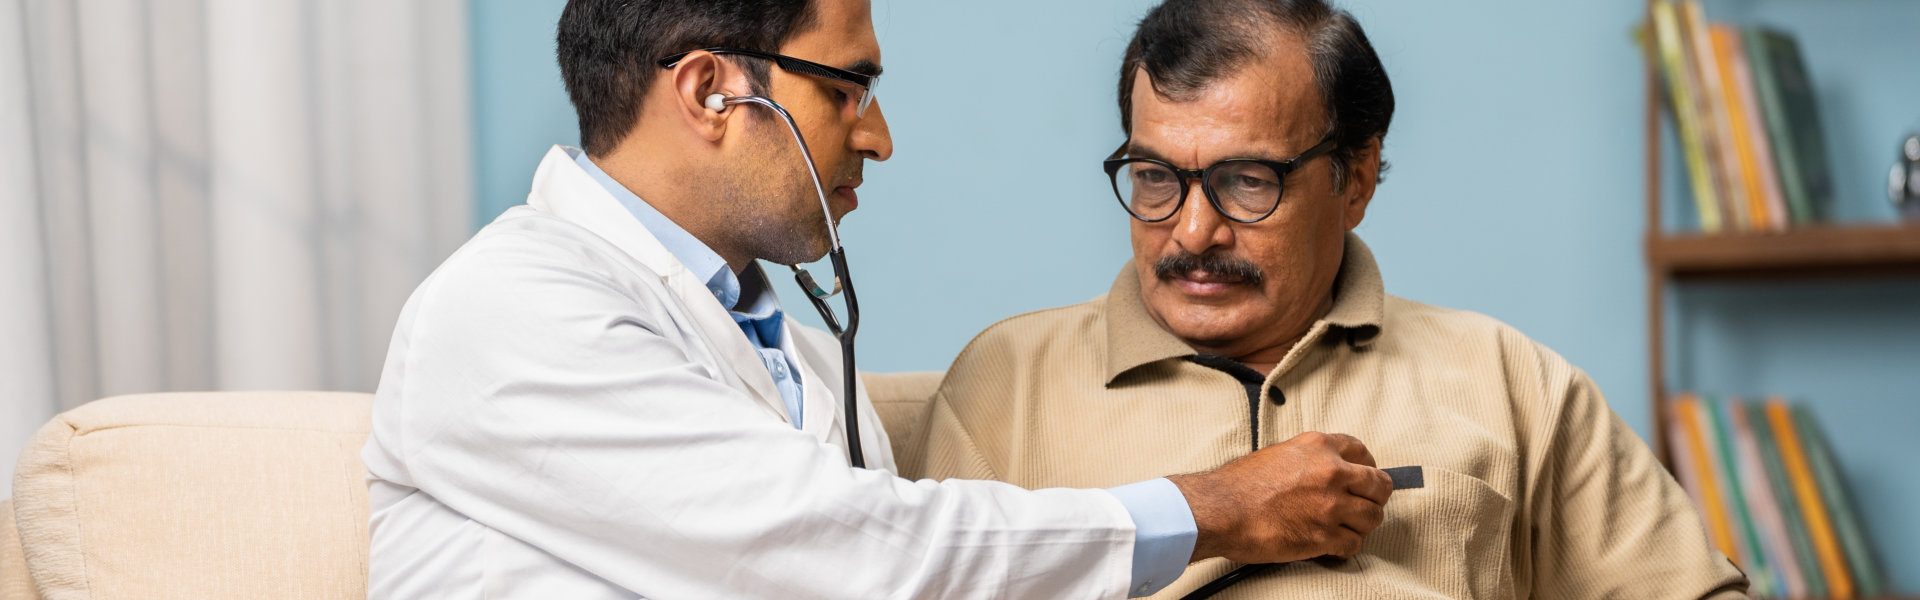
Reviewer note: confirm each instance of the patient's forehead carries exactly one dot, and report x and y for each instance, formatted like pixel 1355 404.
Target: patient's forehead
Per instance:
pixel 1268 107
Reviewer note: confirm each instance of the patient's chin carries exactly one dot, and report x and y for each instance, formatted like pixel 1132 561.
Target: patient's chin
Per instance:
pixel 1207 326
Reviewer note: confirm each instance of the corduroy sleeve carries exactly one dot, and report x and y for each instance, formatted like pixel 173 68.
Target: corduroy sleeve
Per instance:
pixel 1609 521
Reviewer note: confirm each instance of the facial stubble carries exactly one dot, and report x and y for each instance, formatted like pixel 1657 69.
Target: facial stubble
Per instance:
pixel 776 210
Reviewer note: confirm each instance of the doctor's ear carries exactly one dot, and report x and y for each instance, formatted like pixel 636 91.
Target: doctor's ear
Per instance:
pixel 699 86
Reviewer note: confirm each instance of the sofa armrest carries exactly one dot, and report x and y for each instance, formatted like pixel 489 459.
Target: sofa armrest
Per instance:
pixel 901 399
pixel 15 584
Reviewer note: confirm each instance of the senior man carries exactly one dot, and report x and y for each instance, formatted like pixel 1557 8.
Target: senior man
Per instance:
pixel 1251 314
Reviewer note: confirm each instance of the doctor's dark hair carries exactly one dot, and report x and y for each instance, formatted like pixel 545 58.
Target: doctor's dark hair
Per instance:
pixel 1187 45
pixel 607 50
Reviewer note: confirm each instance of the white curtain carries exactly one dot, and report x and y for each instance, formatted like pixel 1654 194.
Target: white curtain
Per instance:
pixel 219 194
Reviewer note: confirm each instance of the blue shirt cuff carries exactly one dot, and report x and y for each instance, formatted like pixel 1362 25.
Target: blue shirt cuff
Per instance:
pixel 1163 533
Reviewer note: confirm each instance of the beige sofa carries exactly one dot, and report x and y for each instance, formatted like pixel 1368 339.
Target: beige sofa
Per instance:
pixel 229 495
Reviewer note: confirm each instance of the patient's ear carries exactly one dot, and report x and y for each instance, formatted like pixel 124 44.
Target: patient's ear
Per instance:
pixel 1363 175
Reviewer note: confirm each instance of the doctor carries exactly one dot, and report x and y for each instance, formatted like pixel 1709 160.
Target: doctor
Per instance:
pixel 599 397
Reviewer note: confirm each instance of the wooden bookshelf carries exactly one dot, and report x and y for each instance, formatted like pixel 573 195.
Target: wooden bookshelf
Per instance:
pixel 1821 251
pixel 1796 254
pixel 1825 250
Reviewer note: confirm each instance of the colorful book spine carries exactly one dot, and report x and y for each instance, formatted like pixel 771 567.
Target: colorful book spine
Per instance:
pixel 1683 463
pixel 1735 99
pixel 1755 125
pixel 1677 71
pixel 1793 121
pixel 1802 542
pixel 1833 491
pixel 1717 140
pixel 1741 518
pixel 1719 527
pixel 1772 526
pixel 1826 546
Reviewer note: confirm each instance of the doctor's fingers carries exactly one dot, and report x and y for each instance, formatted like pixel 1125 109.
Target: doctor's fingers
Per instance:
pixel 1348 447
pixel 1343 542
pixel 1360 515
pixel 1369 483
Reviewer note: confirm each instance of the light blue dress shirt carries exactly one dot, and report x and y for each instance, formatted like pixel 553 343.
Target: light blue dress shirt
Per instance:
pixel 1164 531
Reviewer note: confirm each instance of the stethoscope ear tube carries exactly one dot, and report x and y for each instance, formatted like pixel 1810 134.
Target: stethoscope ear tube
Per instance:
pixel 843 283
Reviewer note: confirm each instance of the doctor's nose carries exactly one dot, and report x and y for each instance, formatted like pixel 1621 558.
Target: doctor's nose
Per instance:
pixel 870 138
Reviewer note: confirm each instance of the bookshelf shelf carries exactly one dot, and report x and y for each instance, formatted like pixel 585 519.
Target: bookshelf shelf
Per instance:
pixel 1821 251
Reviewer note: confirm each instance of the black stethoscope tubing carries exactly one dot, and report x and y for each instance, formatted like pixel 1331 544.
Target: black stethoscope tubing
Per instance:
pixel 843 284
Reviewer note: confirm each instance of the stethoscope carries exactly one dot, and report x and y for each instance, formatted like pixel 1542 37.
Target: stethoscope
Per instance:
pixel 842 281
pixel 843 284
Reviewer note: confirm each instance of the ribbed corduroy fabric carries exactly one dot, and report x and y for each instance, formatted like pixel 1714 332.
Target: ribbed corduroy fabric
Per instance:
pixel 1533 487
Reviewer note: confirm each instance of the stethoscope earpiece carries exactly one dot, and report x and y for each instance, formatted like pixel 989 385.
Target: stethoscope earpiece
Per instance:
pixel 717 103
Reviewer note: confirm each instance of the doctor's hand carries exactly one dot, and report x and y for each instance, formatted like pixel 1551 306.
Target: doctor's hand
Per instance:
pixel 1314 495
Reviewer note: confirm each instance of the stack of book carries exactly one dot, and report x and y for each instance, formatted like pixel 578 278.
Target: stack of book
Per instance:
pixel 1744 109
pixel 1765 482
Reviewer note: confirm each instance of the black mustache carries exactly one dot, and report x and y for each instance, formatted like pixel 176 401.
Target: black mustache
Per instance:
pixel 1220 264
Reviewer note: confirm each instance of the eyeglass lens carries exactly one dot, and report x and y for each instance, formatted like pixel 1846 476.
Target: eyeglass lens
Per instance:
pixel 866 97
pixel 1245 190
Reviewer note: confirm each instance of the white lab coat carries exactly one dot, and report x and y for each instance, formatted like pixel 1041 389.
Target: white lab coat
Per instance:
pixel 566 412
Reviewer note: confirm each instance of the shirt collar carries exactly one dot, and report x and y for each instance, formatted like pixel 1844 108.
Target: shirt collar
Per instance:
pixel 1134 339
pixel 690 251
pixel 756 299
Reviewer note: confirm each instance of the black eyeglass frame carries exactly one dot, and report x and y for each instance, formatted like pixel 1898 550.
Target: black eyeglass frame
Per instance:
pixel 793 65
pixel 1281 169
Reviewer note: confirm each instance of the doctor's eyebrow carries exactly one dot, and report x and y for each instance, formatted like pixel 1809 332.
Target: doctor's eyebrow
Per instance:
pixel 865 67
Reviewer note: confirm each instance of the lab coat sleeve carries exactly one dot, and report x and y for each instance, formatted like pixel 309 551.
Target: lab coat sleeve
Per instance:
pixel 555 403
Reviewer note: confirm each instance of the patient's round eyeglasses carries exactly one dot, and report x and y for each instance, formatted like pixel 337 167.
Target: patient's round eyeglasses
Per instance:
pixel 1245 190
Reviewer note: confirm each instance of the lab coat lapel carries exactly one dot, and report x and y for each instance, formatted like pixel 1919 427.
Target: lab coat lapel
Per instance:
pixel 562 188
pixel 819 358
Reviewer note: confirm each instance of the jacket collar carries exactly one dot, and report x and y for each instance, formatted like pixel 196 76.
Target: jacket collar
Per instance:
pixel 1134 339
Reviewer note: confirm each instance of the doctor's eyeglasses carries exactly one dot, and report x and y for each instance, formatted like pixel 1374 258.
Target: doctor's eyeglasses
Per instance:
pixel 795 65
pixel 1245 190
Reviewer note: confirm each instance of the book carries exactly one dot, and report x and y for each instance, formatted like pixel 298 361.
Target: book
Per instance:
pixel 1826 546
pixel 1746 538
pixel 1755 127
pixel 1719 527
pixel 1676 70
pixel 1683 463
pixel 1786 96
pixel 1797 535
pixel 1714 135
pixel 1737 100
pixel 1783 568
pixel 1833 491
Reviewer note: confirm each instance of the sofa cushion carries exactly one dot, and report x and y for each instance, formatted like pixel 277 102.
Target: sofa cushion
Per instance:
pixel 14 582
pixel 198 495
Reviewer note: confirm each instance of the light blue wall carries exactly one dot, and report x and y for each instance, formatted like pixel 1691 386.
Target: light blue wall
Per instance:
pixel 1516 191
pixel 520 105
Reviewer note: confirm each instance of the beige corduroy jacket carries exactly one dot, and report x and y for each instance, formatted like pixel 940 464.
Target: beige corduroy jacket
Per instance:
pixel 1532 487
